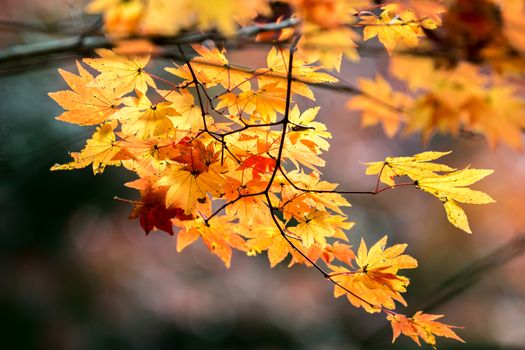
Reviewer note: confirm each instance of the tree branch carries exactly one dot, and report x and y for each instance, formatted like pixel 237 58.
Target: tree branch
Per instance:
pixel 82 43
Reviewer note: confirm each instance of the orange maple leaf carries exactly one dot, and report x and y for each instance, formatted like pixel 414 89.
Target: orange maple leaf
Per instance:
pixel 380 104
pixel 219 235
pixel 422 326
pixel 376 280
pixel 85 105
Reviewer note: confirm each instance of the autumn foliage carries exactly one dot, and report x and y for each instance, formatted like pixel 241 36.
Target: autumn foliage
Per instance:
pixel 225 154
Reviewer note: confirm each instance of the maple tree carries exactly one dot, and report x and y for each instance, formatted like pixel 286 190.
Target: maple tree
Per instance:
pixel 226 154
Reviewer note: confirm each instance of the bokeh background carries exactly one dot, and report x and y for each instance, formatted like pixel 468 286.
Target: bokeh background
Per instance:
pixel 75 273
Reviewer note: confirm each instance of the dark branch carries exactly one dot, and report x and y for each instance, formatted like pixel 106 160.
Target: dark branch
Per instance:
pixel 85 43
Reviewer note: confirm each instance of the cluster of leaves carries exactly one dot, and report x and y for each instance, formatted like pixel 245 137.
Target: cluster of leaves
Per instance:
pixel 461 34
pixel 470 84
pixel 447 100
pixel 166 17
pixel 225 154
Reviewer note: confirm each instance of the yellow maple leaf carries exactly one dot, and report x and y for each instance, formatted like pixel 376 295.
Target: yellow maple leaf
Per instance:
pixel 225 14
pixel 376 283
pixel 186 188
pixel 262 104
pixel 142 118
pixel 311 133
pixel 211 67
pixel 303 69
pixel 269 238
pixel 189 117
pixel 314 227
pixel 99 151
pixel 116 71
pixel 448 188
pixel 146 156
pixel 295 201
pixel 330 45
pixel 415 167
pixel 120 17
pixel 391 29
pixel 300 153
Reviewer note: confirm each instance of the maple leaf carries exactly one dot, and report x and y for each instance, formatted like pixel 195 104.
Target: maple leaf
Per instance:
pixel 225 13
pixel 250 207
pixel 259 165
pixel 306 139
pixel 186 188
pixel 152 209
pixel 189 115
pixel 266 102
pixel 219 234
pixel 313 253
pixel 391 30
pixel 85 105
pixel 340 251
pixel 422 326
pixel 195 156
pixel 298 201
pixel 302 68
pixel 211 67
pixel 375 283
pixel 499 115
pixel 311 133
pixel 120 17
pixel 313 226
pixel 448 188
pixel 142 118
pixel 123 73
pixel 330 45
pixel 100 151
pixel 415 167
pixel 146 157
pixel 380 104
pixel 269 238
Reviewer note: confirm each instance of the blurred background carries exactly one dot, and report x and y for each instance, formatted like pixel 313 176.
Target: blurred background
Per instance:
pixel 75 273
